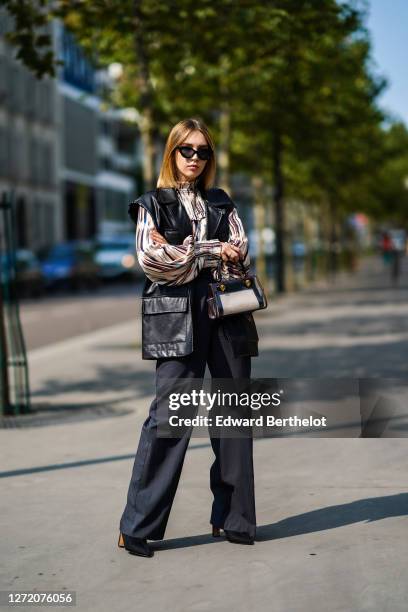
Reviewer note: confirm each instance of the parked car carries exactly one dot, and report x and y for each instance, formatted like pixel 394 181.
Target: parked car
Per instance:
pixel 28 278
pixel 71 264
pixel 116 257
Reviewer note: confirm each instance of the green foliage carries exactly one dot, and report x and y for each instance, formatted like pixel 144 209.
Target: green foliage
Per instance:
pixel 389 186
pixel 30 36
pixel 294 71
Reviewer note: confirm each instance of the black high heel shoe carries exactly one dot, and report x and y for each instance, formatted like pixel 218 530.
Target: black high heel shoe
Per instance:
pixel 216 532
pixel 238 537
pixel 136 546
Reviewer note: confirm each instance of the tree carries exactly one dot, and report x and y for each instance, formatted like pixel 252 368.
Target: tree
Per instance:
pixel 284 85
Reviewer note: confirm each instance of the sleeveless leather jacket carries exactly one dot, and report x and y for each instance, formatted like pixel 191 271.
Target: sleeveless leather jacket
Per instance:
pixel 167 329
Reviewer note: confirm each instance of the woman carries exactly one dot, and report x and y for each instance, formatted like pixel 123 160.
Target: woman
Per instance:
pixel 185 228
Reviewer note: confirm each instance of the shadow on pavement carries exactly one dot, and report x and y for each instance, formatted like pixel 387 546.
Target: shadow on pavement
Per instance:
pixel 368 510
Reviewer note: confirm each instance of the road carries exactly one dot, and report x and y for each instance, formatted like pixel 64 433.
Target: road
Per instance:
pixel 53 318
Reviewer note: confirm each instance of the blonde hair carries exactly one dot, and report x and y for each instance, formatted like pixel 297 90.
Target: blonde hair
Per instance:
pixel 178 134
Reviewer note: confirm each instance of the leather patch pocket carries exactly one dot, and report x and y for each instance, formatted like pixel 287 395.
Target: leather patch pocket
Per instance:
pixel 164 319
pixel 164 304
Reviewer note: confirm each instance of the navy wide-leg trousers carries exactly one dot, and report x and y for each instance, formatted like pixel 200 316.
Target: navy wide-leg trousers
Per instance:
pixel 159 460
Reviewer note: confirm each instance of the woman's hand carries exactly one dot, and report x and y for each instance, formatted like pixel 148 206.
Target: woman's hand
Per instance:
pixel 230 252
pixel 154 234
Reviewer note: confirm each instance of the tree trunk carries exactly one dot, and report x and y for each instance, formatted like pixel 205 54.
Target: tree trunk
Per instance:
pixel 260 205
pixel 279 213
pixel 146 101
pixel 333 263
pixel 223 157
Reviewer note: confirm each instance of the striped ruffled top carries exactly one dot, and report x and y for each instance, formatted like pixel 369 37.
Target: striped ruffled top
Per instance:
pixel 169 264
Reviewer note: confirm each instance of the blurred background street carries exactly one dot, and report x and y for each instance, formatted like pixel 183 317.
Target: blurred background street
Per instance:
pixel 357 327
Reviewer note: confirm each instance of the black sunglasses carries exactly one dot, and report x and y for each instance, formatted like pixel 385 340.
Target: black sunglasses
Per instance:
pixel 188 152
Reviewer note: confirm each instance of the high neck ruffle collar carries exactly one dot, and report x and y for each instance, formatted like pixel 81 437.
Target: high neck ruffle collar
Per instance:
pixel 187 185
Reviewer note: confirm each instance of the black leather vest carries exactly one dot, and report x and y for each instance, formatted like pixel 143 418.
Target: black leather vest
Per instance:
pixel 171 219
pixel 166 309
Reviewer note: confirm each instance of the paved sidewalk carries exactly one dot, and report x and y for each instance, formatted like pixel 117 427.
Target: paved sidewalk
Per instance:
pixel 331 513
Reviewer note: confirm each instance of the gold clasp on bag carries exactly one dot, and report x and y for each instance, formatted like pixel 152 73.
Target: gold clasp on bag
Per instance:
pixel 222 287
pixel 247 282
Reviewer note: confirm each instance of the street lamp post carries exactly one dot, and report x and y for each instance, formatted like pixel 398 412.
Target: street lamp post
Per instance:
pixel 4 385
pixel 4 382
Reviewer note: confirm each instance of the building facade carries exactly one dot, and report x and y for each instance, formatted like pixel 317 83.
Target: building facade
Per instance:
pixel 29 146
pixel 70 163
